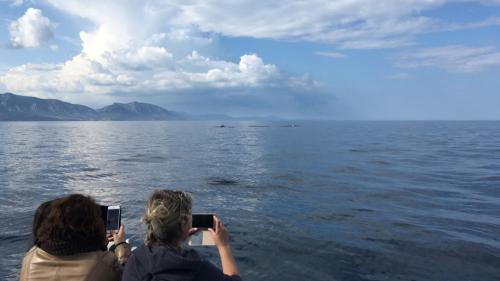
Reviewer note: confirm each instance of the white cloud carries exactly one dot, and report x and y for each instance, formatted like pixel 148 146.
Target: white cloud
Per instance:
pixel 134 50
pixel 326 21
pixel 137 71
pixel 353 24
pixel 452 58
pixel 334 55
pixel 140 58
pixel 193 82
pixel 31 30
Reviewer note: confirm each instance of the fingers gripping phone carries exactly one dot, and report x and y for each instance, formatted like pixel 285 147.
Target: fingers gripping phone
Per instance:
pixel 202 237
pixel 113 218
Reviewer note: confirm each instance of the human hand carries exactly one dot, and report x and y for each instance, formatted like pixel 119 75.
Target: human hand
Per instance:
pixel 193 231
pixel 119 237
pixel 220 234
pixel 109 236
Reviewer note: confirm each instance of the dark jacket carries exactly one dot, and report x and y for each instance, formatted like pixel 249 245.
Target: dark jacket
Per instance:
pixel 155 263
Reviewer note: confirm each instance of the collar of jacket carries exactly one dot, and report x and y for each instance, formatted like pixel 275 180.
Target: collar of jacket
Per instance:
pixel 65 248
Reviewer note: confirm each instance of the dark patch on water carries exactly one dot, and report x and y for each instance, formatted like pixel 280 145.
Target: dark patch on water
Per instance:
pixel 346 169
pixel 41 146
pixel 356 150
pixel 491 178
pixel 143 158
pixel 381 162
pixel 403 225
pixel 363 210
pixel 394 242
pixel 222 181
pixel 99 176
pixel 330 217
pixel 89 169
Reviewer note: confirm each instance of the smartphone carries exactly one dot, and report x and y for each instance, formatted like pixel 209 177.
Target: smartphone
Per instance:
pixel 114 217
pixel 203 221
pixel 201 238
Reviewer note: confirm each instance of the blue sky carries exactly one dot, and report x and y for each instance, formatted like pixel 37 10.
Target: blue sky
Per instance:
pixel 356 59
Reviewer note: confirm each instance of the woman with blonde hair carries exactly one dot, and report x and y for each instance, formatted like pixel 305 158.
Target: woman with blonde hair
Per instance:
pixel 168 224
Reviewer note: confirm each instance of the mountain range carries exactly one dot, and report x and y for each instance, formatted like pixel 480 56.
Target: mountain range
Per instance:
pixel 23 108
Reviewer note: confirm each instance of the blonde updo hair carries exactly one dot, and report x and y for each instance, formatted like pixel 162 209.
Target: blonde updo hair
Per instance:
pixel 166 212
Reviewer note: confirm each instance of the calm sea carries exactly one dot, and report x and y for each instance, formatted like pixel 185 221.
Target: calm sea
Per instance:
pixel 319 201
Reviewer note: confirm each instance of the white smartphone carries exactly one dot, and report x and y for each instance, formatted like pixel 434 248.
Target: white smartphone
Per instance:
pixel 113 219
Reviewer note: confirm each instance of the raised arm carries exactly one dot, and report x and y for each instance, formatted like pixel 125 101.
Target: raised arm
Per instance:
pixel 221 239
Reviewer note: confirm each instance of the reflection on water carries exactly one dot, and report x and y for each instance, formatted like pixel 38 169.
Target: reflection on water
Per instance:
pixel 320 201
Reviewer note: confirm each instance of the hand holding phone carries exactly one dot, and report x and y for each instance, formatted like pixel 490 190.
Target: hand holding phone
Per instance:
pixel 202 237
pixel 220 235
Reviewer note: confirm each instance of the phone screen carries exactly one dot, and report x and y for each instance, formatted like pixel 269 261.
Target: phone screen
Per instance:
pixel 113 219
pixel 203 220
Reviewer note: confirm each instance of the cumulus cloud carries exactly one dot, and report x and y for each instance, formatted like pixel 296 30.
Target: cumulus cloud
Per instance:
pixel 187 83
pixel 31 30
pixel 138 70
pixel 452 58
pixel 134 51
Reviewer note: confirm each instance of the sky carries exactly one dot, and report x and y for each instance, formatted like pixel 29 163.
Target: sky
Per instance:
pixel 346 59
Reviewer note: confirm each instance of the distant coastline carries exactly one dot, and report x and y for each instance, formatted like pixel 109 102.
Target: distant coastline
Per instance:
pixel 25 108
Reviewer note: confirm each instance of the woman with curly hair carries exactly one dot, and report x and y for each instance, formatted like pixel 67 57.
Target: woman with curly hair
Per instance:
pixel 70 243
pixel 168 224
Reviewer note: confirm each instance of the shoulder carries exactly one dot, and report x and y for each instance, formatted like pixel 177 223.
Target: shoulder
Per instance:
pixel 191 254
pixel 107 258
pixel 209 271
pixel 24 274
pixel 29 254
pixel 138 263
pixel 98 265
pixel 106 266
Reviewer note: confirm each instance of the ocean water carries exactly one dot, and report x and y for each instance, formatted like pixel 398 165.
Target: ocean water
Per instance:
pixel 320 201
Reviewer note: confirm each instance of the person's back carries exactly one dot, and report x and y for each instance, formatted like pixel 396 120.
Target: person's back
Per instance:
pixel 95 265
pixel 164 263
pixel 168 222
pixel 70 243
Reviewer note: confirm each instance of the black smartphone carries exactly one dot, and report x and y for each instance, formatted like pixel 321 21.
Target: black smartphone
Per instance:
pixel 114 216
pixel 203 220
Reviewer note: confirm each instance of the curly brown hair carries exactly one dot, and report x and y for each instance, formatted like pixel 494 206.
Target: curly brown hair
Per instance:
pixel 40 214
pixel 75 218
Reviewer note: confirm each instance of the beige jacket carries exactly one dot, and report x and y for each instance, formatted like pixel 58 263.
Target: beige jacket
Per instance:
pixel 91 266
